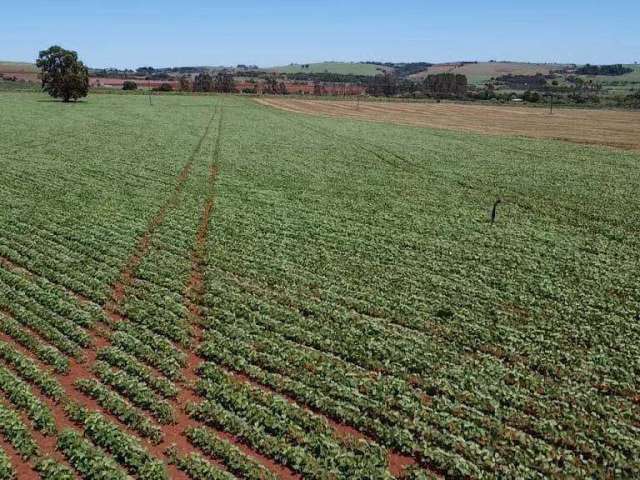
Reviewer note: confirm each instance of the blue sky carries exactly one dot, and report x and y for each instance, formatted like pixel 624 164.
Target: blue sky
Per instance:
pixel 275 32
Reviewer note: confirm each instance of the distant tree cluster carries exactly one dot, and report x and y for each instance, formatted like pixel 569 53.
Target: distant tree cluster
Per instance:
pixel 383 85
pixel 272 86
pixel 603 70
pixel 524 82
pixel 446 85
pixel 222 82
pixel 441 85
pixel 328 77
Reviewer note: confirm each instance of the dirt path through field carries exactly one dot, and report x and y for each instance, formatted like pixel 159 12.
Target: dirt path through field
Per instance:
pixel 620 129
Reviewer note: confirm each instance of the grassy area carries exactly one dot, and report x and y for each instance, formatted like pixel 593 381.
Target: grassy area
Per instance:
pixel 332 67
pixel 349 265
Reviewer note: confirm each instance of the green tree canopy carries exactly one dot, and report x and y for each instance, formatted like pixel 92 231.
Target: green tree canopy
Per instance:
pixel 63 75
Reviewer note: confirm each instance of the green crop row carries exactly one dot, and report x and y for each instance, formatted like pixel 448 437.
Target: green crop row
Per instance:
pixel 118 358
pixel 16 433
pixel 147 348
pixel 30 372
pixel 46 353
pixel 6 469
pixel 89 461
pixel 20 395
pixel 196 467
pixel 230 455
pixel 50 469
pixel 119 408
pixel 126 450
pixel 134 390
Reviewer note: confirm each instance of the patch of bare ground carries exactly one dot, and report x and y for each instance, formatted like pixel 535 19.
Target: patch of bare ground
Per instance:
pixel 611 128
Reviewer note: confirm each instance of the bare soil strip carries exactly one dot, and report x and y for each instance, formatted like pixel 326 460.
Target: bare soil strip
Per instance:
pixel 619 129
pixel 144 242
pixel 193 298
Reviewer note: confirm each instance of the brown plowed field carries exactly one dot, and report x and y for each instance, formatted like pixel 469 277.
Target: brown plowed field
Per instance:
pixel 620 129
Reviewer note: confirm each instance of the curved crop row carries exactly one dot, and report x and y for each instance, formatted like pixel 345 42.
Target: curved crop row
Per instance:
pixel 120 359
pixel 45 353
pixel 125 449
pixel 196 467
pixel 90 462
pixel 30 372
pixel 119 408
pixel 6 469
pixel 16 433
pixel 137 392
pixel 20 395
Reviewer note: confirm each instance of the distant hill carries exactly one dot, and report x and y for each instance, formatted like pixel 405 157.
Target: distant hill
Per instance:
pixel 344 68
pixel 481 72
pixel 17 67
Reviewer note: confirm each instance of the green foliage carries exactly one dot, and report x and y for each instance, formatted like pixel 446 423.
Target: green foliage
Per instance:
pixel 118 407
pixel 350 266
pixel 446 84
pixel 16 432
pixel 89 461
pixel 50 469
pixel 612 70
pixel 63 75
pixel 6 469
pixel 20 395
pixel 124 448
pixel 30 372
pixel 233 458
pixel 129 85
pixel 196 467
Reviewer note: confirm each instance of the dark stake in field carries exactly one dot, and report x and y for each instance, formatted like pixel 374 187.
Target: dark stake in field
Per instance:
pixel 494 210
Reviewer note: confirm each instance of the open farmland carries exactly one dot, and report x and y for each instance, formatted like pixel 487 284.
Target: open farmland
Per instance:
pixel 600 127
pixel 212 288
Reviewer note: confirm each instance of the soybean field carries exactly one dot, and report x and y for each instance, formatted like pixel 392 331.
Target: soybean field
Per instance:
pixel 207 287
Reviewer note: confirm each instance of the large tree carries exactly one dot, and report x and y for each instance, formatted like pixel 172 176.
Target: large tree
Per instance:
pixel 224 82
pixel 203 82
pixel 63 75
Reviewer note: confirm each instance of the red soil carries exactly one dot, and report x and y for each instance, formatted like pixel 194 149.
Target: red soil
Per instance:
pixel 398 463
pixel 22 468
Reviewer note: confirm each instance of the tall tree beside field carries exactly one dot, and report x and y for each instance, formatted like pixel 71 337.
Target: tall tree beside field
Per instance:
pixel 184 84
pixel 446 85
pixel 63 75
pixel 385 84
pixel 203 83
pixel 224 83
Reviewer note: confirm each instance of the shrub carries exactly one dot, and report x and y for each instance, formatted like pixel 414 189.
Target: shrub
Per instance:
pixel 129 85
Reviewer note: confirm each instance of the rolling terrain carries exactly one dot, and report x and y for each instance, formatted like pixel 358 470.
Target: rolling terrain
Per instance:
pixel 212 288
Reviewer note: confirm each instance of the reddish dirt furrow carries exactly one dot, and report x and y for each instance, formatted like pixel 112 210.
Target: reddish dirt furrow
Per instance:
pixel 143 245
pixel 80 370
pixel 21 467
pixel 46 443
pixel 193 299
